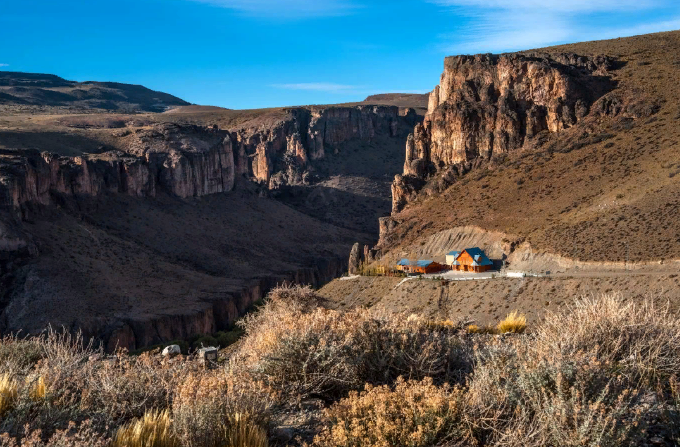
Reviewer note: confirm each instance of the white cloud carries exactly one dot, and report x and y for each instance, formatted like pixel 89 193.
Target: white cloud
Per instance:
pixel 560 6
pixel 4 65
pixel 286 9
pixel 511 25
pixel 328 87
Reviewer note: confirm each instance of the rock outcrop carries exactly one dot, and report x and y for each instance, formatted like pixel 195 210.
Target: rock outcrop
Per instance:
pixel 193 161
pixel 355 259
pixel 487 105
pixel 186 161
pixel 284 153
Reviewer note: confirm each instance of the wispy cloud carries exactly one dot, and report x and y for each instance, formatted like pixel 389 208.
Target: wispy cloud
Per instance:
pixel 287 9
pixel 327 87
pixel 4 65
pixel 505 25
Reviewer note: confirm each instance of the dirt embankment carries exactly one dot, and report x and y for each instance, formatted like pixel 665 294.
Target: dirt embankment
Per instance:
pixel 488 301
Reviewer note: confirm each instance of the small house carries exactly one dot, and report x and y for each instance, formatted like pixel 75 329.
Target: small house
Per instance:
pixel 471 260
pixel 403 265
pixel 419 267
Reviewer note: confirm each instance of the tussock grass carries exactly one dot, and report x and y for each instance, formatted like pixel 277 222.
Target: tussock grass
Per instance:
pixel 152 430
pixel 474 329
pixel 515 323
pixel 9 393
pixel 241 431
pixel 38 390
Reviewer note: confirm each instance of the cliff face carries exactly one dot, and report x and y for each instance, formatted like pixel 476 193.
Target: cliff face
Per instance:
pixel 284 154
pixel 193 161
pixel 488 105
pixel 80 244
pixel 186 161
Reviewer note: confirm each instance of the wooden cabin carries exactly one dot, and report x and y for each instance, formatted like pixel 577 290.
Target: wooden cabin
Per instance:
pixel 420 267
pixel 471 260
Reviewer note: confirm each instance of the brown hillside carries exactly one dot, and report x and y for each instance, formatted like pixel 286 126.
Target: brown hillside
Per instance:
pixel 604 189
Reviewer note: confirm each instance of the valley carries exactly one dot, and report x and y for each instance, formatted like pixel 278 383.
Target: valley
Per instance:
pixel 144 227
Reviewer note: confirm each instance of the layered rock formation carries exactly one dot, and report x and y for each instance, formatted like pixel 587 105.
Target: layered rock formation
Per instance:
pixel 487 105
pixel 186 161
pixel 193 161
pixel 283 154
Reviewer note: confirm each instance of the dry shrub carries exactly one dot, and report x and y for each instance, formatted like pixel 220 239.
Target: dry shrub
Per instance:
pixel 152 430
pixel 206 405
pixel 415 413
pixel 594 374
pixel 60 376
pixel 83 435
pixel 304 350
pixel 515 323
pixel 128 386
pixel 518 399
pixel 9 393
pixel 17 355
pixel 641 339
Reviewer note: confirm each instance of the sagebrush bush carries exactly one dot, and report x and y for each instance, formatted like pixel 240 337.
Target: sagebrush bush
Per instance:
pixel 304 350
pixel 19 355
pixel 413 414
pixel 206 404
pixel 640 339
pixel 529 400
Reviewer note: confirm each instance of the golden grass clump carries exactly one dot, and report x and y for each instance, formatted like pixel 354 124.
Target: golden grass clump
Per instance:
pixel 242 431
pixel 413 414
pixel 9 393
pixel 474 329
pixel 38 390
pixel 515 323
pixel 151 430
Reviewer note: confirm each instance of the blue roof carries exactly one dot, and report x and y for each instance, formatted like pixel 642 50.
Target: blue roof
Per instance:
pixel 455 254
pixel 404 261
pixel 423 263
pixel 479 256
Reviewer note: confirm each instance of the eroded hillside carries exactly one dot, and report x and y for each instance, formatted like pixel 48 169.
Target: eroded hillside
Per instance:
pixel 570 150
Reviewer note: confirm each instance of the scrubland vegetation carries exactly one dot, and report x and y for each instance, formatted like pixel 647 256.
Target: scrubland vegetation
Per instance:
pixel 601 373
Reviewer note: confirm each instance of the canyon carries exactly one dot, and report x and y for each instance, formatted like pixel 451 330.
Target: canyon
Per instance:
pixel 139 229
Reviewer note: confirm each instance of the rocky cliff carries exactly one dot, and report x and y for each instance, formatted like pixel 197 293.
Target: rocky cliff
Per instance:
pixel 185 161
pixel 193 161
pixel 284 153
pixel 83 237
pixel 488 105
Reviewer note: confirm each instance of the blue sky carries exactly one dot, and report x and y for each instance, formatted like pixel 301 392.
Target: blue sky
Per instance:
pixel 264 53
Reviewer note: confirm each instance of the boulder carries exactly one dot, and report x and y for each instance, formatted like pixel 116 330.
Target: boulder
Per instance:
pixel 171 351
